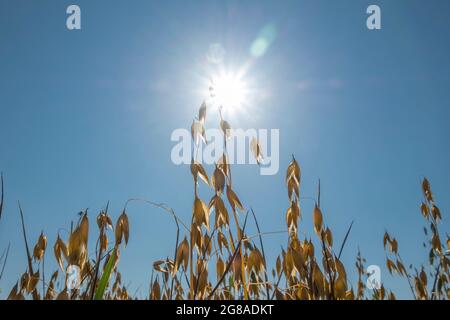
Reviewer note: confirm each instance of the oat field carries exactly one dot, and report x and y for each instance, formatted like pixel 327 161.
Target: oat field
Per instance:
pixel 216 258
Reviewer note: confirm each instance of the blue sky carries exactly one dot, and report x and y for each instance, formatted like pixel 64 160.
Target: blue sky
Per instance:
pixel 86 117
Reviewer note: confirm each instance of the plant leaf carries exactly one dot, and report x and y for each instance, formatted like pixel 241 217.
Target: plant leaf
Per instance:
pixel 105 277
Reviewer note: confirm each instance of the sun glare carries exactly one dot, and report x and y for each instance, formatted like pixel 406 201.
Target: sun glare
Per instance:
pixel 229 91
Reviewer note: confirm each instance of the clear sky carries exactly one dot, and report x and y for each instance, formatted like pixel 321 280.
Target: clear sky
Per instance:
pixel 86 117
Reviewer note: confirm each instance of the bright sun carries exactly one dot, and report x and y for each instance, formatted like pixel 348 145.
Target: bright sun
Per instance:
pixel 229 91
